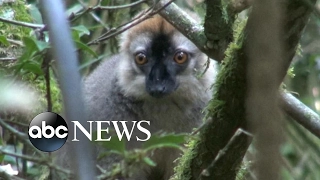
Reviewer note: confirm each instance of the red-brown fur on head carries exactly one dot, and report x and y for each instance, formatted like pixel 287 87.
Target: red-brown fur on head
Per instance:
pixel 155 25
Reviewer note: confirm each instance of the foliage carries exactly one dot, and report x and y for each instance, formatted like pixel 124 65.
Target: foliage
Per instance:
pixel 137 157
pixel 32 64
pixel 16 11
pixel 301 149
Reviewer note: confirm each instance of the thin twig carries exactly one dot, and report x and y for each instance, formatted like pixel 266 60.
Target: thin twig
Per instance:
pixel 93 15
pixel 122 28
pixel 15 42
pixel 99 7
pixel 25 24
pixel 46 66
pixel 8 59
pixel 75 17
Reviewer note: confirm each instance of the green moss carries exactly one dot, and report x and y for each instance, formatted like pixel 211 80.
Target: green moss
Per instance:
pixel 182 167
pixel 19 12
pixel 214 106
pixel 13 11
pixel 227 105
pixel 39 84
pixel 227 71
pixel 290 72
pixel 299 50
pixel 224 10
pixel 55 94
pixel 243 170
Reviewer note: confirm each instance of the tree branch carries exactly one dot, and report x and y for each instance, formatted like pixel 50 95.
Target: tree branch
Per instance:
pixel 218 27
pixel 300 113
pixel 264 48
pixel 227 107
pixel 228 160
pixel 180 20
pixel 214 38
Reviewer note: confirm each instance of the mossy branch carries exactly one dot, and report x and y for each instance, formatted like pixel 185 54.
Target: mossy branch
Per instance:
pixel 196 34
pixel 230 89
pixel 224 164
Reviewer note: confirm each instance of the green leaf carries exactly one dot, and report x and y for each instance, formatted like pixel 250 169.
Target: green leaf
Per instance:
pixel 30 49
pixel 290 72
pixel 82 30
pixel 32 67
pixel 164 140
pixel 4 40
pixel 1 158
pixel 34 171
pixel 74 9
pixel 86 48
pixel 149 161
pixel 105 154
pixel 42 45
pixel 9 159
pixel 113 146
pixel 35 13
pixel 105 2
pixel 1 155
pixel 34 45
pixel 75 35
pixel 30 45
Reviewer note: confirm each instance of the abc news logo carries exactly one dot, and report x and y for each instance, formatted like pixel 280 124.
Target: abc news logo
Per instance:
pixel 48 131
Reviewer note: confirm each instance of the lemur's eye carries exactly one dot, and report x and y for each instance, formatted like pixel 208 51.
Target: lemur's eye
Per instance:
pixel 141 59
pixel 180 57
